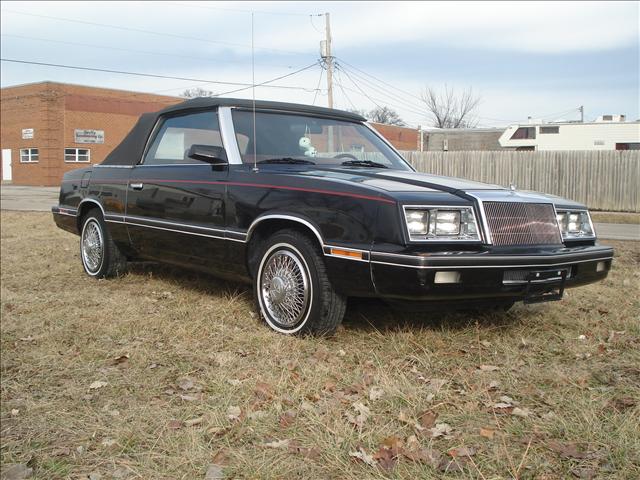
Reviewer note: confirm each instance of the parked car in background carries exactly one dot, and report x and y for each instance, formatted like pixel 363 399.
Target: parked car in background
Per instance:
pixel 313 207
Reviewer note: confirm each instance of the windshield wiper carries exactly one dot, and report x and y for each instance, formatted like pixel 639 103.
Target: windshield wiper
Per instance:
pixel 363 163
pixel 288 161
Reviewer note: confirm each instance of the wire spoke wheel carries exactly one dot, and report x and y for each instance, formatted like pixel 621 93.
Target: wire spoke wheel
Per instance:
pixel 92 246
pixel 284 288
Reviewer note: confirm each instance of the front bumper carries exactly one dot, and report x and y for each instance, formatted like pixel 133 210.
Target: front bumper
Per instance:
pixel 487 275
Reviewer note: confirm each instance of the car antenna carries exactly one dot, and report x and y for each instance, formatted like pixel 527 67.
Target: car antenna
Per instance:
pixel 253 89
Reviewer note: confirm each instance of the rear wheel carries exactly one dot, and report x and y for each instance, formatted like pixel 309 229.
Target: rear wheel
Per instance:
pixel 292 290
pixel 100 256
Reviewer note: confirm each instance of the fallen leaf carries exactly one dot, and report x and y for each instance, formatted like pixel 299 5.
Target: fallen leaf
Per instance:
pixel 287 418
pixel 61 452
pixel 108 442
pixel 567 450
pixel 386 459
pixel 263 390
pixel 488 368
pixel 462 452
pixel 312 452
pixel 441 430
pixel 619 404
pixel 362 416
pixel 14 412
pixel 375 393
pixel 586 473
pixel 520 412
pixel 417 453
pixel 97 384
pixel 487 433
pixel 233 381
pixel 185 383
pixel 16 471
pixel 188 398
pixel 493 385
pixel 233 413
pixel 214 472
pixel 175 424
pixel 216 431
pixel 120 360
pixel 427 419
pixel 277 444
pixel 363 456
pixel 95 476
pixel 193 422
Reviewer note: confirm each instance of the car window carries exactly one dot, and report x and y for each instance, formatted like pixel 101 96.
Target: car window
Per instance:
pixel 321 140
pixel 178 134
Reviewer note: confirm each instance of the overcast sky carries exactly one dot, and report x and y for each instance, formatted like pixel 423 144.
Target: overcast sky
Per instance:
pixel 539 59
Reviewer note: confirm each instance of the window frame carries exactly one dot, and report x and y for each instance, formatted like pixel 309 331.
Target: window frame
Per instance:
pixel 30 155
pixel 77 155
pixel 529 129
pixel 555 130
pixel 157 128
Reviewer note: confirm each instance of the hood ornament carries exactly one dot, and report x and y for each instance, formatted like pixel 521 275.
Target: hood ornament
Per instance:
pixel 512 187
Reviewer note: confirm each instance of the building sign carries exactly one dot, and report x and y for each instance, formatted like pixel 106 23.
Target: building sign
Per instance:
pixel 89 136
pixel 27 133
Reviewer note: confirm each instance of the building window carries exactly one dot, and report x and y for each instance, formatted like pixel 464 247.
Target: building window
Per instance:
pixel 524 133
pixel 77 155
pixel 28 155
pixel 549 130
pixel 607 118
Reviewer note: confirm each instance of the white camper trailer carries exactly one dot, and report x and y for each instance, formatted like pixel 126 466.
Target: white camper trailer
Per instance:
pixel 607 132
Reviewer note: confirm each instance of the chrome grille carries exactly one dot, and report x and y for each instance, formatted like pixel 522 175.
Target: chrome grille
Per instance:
pixel 513 223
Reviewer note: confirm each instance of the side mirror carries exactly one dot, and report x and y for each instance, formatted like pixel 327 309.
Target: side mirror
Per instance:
pixel 209 154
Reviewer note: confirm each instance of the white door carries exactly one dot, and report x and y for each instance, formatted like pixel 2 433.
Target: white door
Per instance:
pixel 6 164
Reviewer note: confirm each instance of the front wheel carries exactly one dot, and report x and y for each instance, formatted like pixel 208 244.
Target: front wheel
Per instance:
pixel 292 290
pixel 100 255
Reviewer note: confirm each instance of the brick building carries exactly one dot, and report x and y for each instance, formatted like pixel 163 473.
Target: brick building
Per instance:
pixel 49 128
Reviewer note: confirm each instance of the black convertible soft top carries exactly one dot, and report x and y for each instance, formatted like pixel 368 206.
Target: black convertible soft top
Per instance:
pixel 130 150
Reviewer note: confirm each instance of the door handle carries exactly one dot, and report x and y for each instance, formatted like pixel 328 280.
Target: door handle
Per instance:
pixel 137 186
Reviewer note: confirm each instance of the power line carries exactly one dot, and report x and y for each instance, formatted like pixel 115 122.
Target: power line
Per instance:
pixel 379 80
pixel 343 90
pixel 146 52
pixel 150 32
pixel 265 84
pixel 395 98
pixel 315 96
pixel 151 75
pixel 361 91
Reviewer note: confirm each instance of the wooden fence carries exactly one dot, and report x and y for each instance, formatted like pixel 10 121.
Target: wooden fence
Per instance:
pixel 603 180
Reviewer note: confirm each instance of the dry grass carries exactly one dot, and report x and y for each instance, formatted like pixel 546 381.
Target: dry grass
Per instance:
pixel 62 330
pixel 615 217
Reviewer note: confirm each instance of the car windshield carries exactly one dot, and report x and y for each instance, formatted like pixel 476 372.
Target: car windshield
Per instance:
pixel 283 138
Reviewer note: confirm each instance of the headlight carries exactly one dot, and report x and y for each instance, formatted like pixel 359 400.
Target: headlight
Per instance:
pixel 441 223
pixel 575 224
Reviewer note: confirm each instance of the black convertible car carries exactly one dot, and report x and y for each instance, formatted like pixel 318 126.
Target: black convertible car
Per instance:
pixel 313 206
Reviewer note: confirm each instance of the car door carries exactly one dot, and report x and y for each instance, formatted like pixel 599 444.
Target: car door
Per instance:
pixel 176 204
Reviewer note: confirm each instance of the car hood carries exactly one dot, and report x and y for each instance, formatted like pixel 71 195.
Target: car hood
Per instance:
pixel 408 185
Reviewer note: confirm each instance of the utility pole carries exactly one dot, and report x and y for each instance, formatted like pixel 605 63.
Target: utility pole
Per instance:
pixel 581 113
pixel 328 59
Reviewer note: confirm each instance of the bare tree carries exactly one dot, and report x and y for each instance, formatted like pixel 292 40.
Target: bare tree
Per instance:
pixel 385 115
pixel 450 110
pixel 197 92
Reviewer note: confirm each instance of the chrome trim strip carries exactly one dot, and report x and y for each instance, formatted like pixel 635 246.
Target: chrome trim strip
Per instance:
pixel 255 223
pixel 486 232
pixel 176 224
pixel 443 267
pixel 483 256
pixel 181 231
pixel 91 200
pixel 113 166
pixel 228 135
